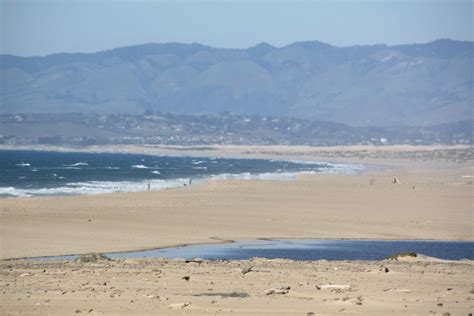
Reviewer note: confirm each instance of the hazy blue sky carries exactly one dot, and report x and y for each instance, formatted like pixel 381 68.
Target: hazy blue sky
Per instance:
pixel 40 27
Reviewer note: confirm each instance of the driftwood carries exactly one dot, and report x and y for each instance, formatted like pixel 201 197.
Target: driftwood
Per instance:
pixel 281 290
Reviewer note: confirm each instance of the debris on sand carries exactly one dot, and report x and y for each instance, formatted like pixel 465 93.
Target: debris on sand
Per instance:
pixel 396 181
pixel 333 287
pixel 225 295
pixel 281 290
pixel 359 300
pixel 92 258
pixel 246 270
pixel 403 254
pixel 397 290
pixel 179 305
pixel 194 260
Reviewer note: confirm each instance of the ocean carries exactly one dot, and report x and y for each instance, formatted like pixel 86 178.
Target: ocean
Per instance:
pixel 39 173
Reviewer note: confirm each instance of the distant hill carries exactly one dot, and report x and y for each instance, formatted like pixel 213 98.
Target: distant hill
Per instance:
pixel 377 85
pixel 76 129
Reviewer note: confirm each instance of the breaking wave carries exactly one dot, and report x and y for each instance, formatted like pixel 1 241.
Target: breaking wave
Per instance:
pixel 139 167
pixel 94 187
pixel 65 174
pixel 23 164
pixel 77 164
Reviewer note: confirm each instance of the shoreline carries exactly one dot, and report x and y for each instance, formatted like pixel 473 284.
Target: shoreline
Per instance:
pixel 325 206
pixel 277 152
pixel 159 184
pixel 267 176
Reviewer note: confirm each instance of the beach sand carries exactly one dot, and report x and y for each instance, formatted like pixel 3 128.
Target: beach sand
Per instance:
pixel 158 287
pixel 433 200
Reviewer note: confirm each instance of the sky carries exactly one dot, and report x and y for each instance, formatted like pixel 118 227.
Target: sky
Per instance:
pixel 42 27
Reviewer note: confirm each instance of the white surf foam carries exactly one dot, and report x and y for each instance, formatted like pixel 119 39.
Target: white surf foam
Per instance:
pixel 139 167
pixel 329 167
pixel 95 187
pixel 259 176
pixel 194 162
pixel 23 164
pixel 77 164
pixel 143 167
pixel 99 187
pixel 11 191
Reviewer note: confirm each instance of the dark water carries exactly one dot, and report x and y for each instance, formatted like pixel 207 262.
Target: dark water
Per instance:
pixel 33 173
pixel 307 249
pixel 312 250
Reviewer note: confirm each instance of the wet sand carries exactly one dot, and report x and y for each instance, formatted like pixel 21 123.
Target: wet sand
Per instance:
pixel 432 201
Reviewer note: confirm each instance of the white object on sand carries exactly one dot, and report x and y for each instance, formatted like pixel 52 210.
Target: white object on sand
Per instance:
pixel 333 286
pixel 179 305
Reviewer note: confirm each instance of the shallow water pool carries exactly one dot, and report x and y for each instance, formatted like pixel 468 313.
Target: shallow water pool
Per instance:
pixel 311 249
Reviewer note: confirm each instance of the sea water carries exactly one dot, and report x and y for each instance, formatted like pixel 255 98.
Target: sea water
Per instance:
pixel 40 173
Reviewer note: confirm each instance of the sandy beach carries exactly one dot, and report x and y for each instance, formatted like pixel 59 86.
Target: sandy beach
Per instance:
pixel 433 200
pixel 171 287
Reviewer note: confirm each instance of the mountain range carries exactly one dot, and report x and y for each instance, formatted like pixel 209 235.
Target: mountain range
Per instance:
pixel 377 85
